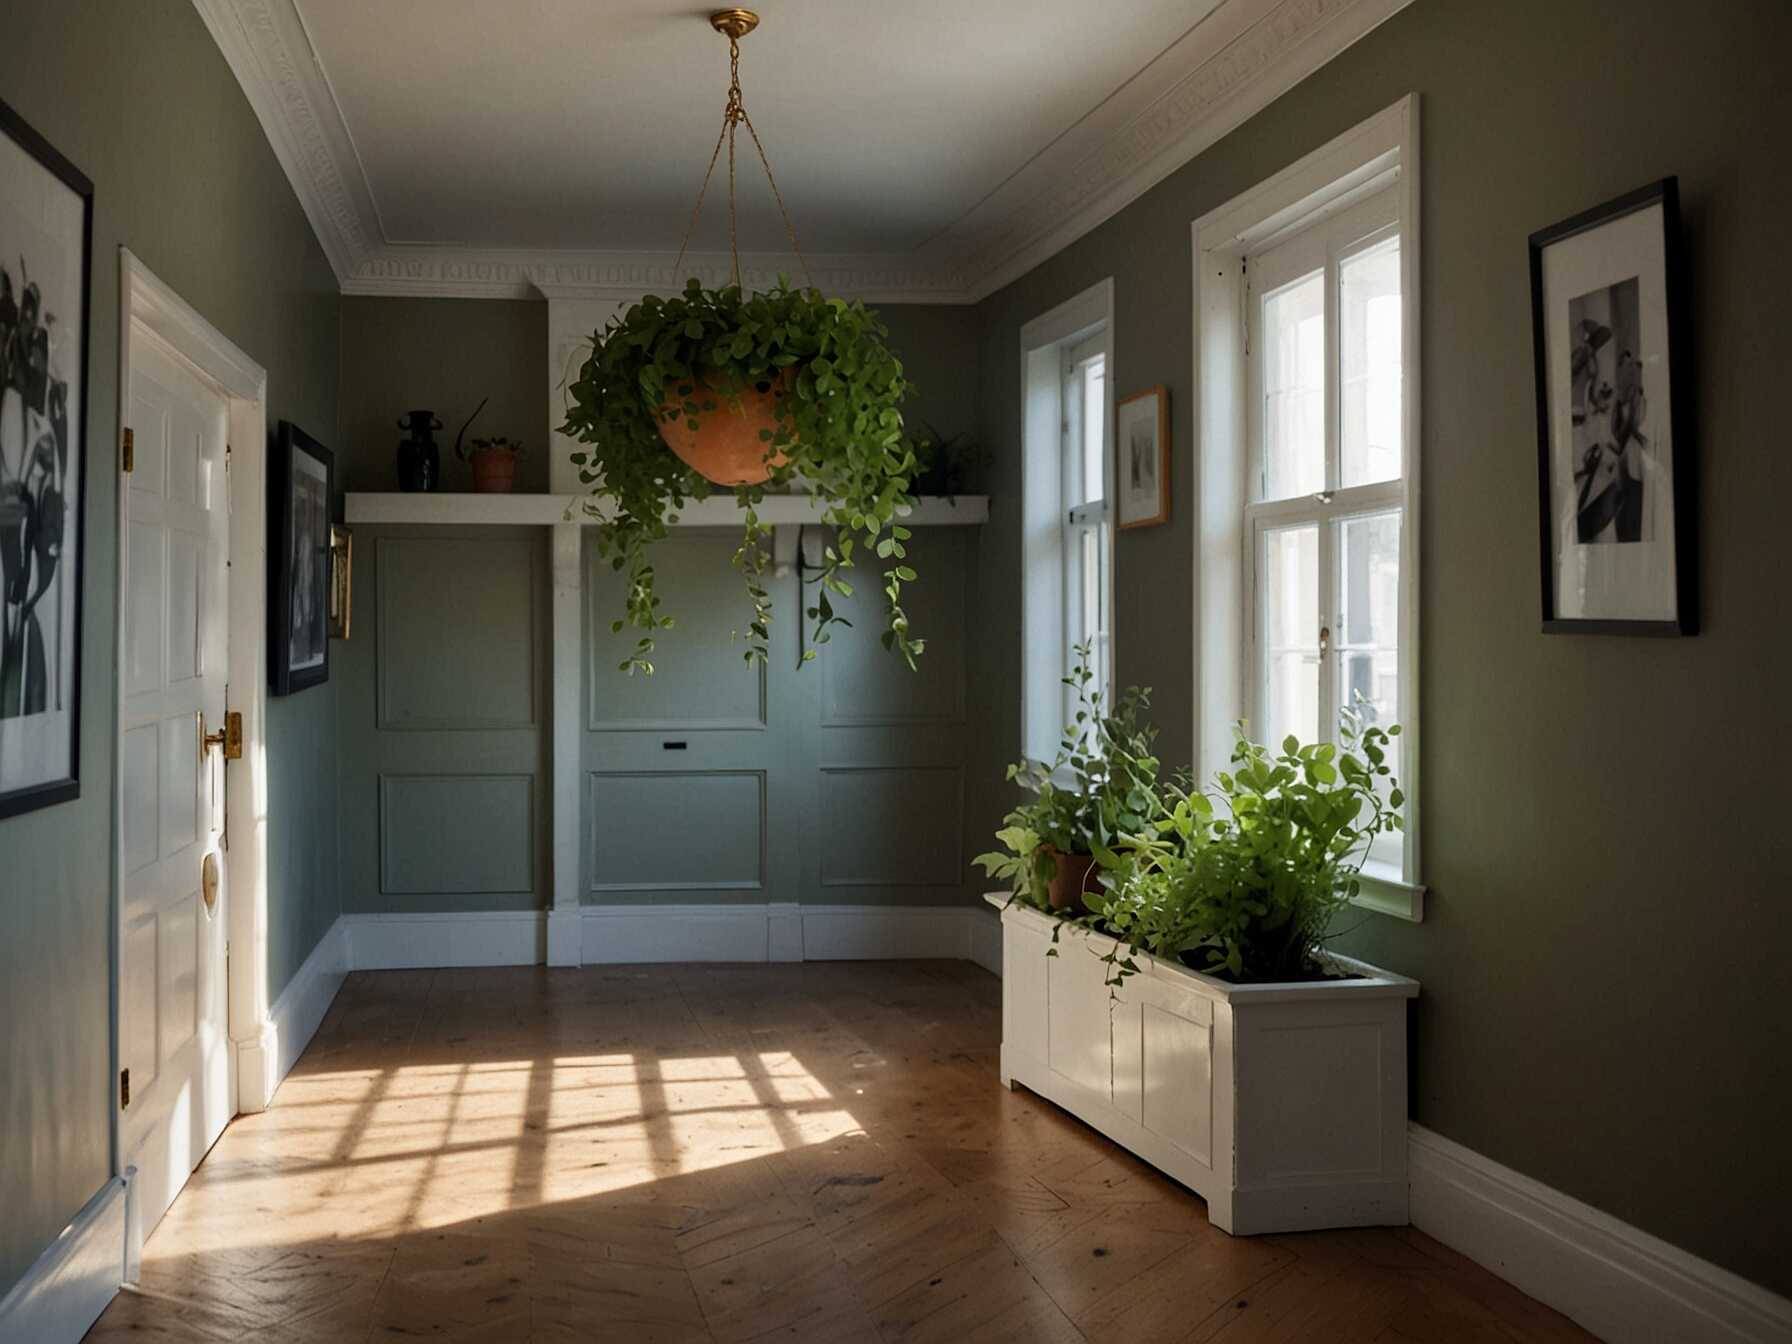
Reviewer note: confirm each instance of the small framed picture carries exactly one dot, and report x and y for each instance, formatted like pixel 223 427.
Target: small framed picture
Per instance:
pixel 342 580
pixel 1142 440
pixel 299 555
pixel 1615 463
pixel 46 259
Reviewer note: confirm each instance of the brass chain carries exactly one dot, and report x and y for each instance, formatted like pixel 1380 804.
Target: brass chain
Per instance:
pixel 734 114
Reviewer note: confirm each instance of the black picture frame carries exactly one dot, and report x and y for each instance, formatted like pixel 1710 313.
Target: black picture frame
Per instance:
pixel 1682 507
pixel 299 512
pixel 30 567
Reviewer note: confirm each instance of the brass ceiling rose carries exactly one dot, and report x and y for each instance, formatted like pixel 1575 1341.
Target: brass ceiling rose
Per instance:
pixel 734 23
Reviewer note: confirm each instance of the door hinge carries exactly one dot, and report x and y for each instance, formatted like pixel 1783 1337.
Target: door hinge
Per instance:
pixel 127 450
pixel 124 1088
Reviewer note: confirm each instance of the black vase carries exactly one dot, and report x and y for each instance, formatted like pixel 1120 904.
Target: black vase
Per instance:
pixel 419 460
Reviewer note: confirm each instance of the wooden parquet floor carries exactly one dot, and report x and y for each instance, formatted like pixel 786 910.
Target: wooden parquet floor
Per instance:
pixel 673 1154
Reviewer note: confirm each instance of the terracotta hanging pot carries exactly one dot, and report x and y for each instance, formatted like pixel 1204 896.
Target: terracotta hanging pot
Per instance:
pixel 1072 877
pixel 726 446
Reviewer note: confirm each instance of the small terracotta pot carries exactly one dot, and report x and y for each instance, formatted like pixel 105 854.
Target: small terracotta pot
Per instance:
pixel 1071 878
pixel 494 470
pixel 726 447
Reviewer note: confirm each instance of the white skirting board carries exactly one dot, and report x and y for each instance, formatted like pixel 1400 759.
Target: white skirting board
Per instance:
pixel 624 934
pixel 1613 1279
pixel 293 1019
pixel 477 938
pixel 65 1291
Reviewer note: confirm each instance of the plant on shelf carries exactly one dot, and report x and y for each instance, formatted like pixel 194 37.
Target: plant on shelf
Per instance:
pixel 750 392
pixel 1243 881
pixel 754 393
pixel 494 463
pixel 1101 789
pixel 949 465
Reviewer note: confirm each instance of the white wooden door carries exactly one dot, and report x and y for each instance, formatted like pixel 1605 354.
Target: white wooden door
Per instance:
pixel 172 991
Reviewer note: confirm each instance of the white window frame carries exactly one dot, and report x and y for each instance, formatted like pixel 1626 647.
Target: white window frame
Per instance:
pixel 1323 196
pixel 1056 515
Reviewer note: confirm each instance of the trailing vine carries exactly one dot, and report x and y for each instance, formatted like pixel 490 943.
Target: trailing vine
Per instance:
pixel 840 430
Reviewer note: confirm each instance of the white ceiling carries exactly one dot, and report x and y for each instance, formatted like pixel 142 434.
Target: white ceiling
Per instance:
pixel 588 123
pixel 925 148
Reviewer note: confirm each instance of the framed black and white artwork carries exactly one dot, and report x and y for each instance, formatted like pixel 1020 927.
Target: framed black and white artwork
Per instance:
pixel 301 482
pixel 1615 464
pixel 46 250
pixel 1142 442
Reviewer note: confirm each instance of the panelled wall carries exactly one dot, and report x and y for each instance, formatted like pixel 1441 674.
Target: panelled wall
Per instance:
pixel 838 781
pixel 444 701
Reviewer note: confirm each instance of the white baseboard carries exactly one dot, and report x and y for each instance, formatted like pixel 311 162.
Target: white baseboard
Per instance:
pixel 264 1060
pixel 65 1291
pixel 474 938
pixel 1613 1279
pixel 986 941
pixel 623 934
pixel 649 933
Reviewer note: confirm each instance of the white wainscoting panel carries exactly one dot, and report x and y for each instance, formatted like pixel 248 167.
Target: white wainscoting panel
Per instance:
pixel 1614 1279
pixel 64 1292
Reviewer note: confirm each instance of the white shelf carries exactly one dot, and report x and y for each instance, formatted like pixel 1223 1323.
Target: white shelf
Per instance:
pixel 547 510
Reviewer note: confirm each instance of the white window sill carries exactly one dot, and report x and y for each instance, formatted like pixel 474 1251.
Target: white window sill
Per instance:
pixel 1384 891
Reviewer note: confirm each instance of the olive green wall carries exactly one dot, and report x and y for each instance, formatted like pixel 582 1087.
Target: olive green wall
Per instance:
pixel 139 98
pixel 444 355
pixel 437 726
pixel 1603 952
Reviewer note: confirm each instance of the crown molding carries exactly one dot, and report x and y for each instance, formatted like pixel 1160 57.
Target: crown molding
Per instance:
pixel 513 274
pixel 1235 61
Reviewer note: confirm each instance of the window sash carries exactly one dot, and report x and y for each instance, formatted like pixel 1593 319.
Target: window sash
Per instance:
pixel 1322 247
pixel 1085 531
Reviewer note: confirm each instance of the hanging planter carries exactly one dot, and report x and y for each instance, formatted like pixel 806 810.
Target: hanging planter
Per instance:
pixel 728 440
pixel 757 393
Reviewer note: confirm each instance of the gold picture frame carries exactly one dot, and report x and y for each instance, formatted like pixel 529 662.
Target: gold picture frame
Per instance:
pixel 342 580
pixel 1142 458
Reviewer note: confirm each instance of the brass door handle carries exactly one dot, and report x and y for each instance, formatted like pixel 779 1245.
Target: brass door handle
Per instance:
pixel 229 737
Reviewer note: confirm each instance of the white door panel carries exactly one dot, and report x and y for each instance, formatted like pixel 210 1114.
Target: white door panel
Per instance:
pixel 173 1035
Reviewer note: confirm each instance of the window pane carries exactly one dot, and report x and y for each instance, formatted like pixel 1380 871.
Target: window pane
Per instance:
pixel 1094 424
pixel 1294 389
pixel 1369 346
pixel 1290 624
pixel 1368 633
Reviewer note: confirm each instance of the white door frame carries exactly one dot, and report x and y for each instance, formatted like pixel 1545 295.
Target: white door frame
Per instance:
pixel 146 300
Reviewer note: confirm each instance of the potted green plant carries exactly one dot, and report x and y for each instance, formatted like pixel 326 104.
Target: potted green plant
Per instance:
pixel 1243 881
pixel 949 465
pixel 1100 789
pixel 1234 1052
pixel 494 463
pixel 753 393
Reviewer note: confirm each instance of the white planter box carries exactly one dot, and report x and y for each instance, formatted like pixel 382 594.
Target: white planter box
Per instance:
pixel 1283 1105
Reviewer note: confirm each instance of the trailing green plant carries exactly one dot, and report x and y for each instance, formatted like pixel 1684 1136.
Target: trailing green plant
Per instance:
pixel 1101 788
pixel 840 428
pixel 497 444
pixel 1244 880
